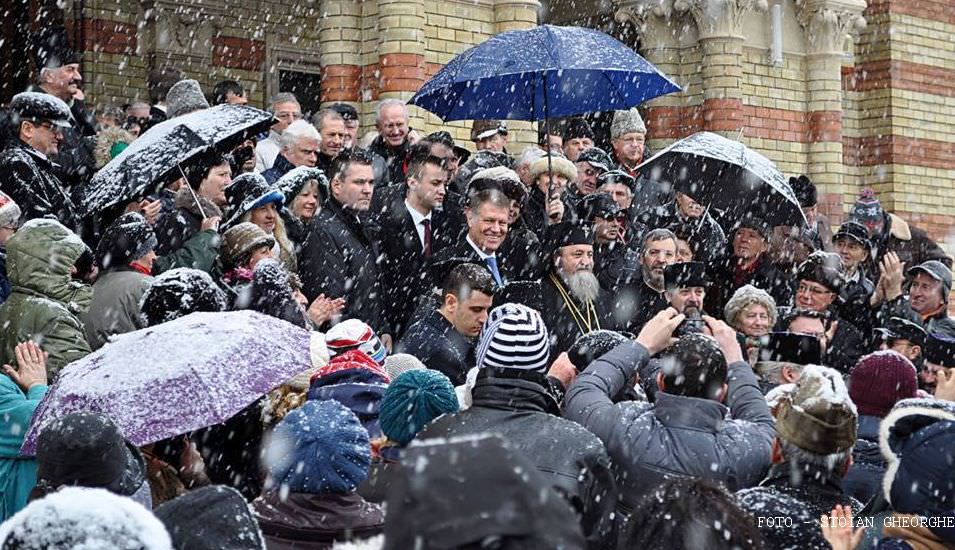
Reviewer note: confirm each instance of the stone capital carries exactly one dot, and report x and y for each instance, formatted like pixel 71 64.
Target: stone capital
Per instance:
pixel 184 28
pixel 827 23
pixel 719 18
pixel 654 20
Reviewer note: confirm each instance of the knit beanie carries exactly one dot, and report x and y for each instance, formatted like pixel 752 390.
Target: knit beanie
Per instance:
pixel 627 122
pixel 354 334
pixel 412 401
pixel 241 240
pixel 9 211
pixel 129 238
pixel 514 337
pixel 185 97
pixel 177 293
pixel 880 380
pixel 559 166
pixel 744 297
pixel 211 518
pixel 867 208
pixel 400 363
pixel 320 448
pixel 816 413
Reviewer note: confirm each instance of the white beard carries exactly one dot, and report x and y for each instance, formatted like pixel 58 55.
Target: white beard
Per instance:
pixel 582 285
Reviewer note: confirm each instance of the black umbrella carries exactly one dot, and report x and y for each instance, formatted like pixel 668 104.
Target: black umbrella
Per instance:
pixel 726 175
pixel 157 156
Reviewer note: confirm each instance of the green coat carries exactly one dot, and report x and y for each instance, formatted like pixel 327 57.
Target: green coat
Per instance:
pixel 45 303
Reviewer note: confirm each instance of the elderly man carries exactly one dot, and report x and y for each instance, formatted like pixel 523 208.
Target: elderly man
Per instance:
pixel 904 337
pixel 683 210
pixel 332 135
pixel 927 299
pixel 286 109
pixel 489 135
pixel 350 116
pixel 301 145
pixel 38 123
pixel 591 164
pixel 578 137
pixel 393 139
pixel 59 76
pixel 640 296
pixel 686 285
pixel 628 136
pixel 573 302
pixel 852 243
pixel 487 215
pixel 811 453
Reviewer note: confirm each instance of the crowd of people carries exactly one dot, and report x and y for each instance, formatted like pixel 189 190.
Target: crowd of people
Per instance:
pixel 549 349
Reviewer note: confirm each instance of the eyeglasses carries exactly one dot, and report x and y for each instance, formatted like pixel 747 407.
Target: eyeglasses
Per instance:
pixel 813 290
pixel 611 216
pixel 46 124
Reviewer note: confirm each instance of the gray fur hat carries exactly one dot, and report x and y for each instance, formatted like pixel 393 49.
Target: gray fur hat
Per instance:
pixel 748 295
pixel 627 122
pixel 185 97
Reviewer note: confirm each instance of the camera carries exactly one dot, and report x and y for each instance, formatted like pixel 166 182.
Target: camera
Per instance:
pixel 693 324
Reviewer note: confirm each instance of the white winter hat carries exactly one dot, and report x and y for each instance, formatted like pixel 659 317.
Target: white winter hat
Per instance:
pixel 9 211
pixel 745 296
pixel 185 97
pixel 402 362
pixel 627 122
pixel 559 165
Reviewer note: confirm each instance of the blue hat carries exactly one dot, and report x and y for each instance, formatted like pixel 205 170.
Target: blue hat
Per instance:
pixel 320 448
pixel 412 401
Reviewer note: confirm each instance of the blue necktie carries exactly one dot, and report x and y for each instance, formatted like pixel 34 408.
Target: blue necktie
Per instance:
pixel 491 262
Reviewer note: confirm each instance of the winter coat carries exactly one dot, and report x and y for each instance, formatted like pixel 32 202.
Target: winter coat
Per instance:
pixel 358 389
pixel 910 243
pixel 306 521
pixel 676 436
pixel 4 282
pixel 46 303
pixel 853 303
pixel 75 161
pixel 766 276
pixel 846 347
pixel 635 303
pixel 30 180
pixel 341 259
pixel 394 159
pixel 440 347
pixel 614 263
pixel 709 236
pixel 864 478
pixel 525 252
pixel 939 323
pixel 115 305
pixel 517 406
pixel 181 243
pixel 564 329
pixel 279 168
pixel 464 251
pixel 17 474
pixel 803 496
pixel 534 215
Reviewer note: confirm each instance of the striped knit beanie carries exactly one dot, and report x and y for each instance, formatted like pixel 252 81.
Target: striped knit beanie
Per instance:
pixel 354 334
pixel 514 337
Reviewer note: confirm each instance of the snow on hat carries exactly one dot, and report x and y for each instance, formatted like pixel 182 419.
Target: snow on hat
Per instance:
pixel 210 518
pixel 41 106
pixel 9 211
pixel 241 240
pixel 412 401
pixel 496 173
pixel 354 334
pixel 514 337
pixel 577 128
pixel 177 293
pixel 880 380
pixel 824 268
pixel 80 517
pixel 347 111
pixel 320 448
pixel 867 208
pixel 185 97
pixel 559 165
pixel 588 347
pixel 400 363
pixel 916 439
pixel 127 239
pixel 627 122
pixel 744 297
pixel 598 205
pixel 855 231
pixel 685 275
pixel 596 157
pixel 483 129
pixel 294 180
pixel 816 413
pixel 248 192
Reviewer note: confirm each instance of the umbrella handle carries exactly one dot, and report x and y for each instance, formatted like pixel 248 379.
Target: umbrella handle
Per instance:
pixel 194 196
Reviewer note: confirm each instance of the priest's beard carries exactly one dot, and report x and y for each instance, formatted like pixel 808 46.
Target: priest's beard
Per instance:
pixel 582 285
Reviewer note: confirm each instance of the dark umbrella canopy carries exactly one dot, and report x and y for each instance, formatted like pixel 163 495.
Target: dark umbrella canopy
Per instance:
pixel 154 157
pixel 542 72
pixel 726 175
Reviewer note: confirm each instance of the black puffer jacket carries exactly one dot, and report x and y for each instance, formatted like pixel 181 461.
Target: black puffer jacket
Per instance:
pixel 517 406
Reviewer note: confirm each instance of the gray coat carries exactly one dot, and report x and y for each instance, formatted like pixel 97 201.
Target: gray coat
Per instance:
pixel 115 306
pixel 681 436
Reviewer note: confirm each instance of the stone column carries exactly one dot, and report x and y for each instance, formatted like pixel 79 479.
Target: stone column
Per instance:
pixel 719 23
pixel 510 15
pixel 339 33
pixel 827 23
pixel 401 47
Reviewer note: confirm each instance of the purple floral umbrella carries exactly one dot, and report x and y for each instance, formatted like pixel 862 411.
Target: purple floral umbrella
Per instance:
pixel 177 377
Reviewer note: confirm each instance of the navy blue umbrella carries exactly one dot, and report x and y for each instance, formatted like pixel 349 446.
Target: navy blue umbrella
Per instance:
pixel 539 73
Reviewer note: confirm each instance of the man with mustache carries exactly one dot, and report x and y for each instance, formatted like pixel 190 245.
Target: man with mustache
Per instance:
pixel 641 296
pixel 573 302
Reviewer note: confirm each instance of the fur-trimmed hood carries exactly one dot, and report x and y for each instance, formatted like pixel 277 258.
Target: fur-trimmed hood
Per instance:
pixel 105 141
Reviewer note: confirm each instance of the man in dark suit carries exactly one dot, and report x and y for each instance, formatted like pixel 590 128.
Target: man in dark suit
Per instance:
pixel 412 231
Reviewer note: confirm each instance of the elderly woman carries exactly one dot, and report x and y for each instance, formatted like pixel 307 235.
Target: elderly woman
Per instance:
pixel 752 312
pixel 305 190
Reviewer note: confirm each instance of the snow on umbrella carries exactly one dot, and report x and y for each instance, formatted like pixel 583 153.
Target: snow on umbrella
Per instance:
pixel 154 157
pixel 725 174
pixel 543 72
pixel 177 377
